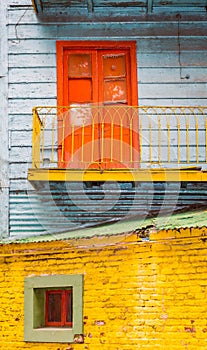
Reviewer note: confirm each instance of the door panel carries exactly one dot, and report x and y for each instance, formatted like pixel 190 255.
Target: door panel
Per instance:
pixel 99 131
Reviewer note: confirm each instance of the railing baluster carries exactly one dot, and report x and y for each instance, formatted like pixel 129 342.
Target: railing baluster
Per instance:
pixel 43 139
pixel 53 140
pixel 159 139
pixel 150 142
pixel 72 141
pixel 131 138
pixel 168 141
pixel 102 141
pixel 140 140
pixel 63 141
pixel 187 140
pixel 82 142
pixel 197 144
pixel 121 139
pixel 112 141
pixel 178 139
pixel 206 138
pixel 92 138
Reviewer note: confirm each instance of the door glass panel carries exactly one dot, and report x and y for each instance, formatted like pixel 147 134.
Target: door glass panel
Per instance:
pixel 114 66
pixel 79 65
pixel 115 90
pixel 54 307
pixel 80 90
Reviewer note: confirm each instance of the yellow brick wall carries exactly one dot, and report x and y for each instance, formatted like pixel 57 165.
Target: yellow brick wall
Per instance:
pixel 137 294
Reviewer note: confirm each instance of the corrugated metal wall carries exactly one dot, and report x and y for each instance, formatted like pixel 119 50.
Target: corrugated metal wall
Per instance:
pixel 164 78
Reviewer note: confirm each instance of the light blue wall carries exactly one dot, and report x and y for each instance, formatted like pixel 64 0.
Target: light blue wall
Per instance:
pixel 32 81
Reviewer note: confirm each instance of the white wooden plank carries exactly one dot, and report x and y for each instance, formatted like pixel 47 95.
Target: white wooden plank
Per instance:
pixel 32 75
pixel 19 3
pixel 182 90
pixel 26 13
pixel 21 152
pixel 157 101
pixel 22 32
pixel 32 46
pixel 24 106
pixel 170 59
pixel 17 185
pixel 20 122
pixel 143 45
pixel 21 138
pixel 172 75
pixel 32 60
pixel 141 29
pixel 18 170
pixel 33 90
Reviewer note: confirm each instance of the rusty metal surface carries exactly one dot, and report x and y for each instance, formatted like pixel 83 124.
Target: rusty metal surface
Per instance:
pixel 60 207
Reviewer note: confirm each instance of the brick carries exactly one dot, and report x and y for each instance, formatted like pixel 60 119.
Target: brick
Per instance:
pixel 151 295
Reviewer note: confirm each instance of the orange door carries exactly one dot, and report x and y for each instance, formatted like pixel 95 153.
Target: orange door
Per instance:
pixel 100 129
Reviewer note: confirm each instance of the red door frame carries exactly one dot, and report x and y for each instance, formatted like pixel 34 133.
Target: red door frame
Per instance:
pixel 62 46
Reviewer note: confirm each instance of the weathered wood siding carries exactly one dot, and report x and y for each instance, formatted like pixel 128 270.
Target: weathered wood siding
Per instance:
pixel 4 154
pixel 163 79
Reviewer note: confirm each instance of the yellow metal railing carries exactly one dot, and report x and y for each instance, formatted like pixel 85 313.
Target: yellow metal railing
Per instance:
pixel 82 136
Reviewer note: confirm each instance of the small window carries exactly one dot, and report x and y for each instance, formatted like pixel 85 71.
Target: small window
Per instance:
pixel 59 308
pixel 53 308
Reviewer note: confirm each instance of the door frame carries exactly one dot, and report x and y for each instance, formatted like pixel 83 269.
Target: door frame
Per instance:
pixel 61 46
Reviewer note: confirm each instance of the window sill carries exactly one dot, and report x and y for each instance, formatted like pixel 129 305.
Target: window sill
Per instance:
pixel 51 335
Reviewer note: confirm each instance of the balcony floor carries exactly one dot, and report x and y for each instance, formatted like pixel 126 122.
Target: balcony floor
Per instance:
pixel 189 174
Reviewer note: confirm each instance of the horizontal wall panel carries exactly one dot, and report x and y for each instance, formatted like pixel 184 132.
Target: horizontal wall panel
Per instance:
pixel 182 90
pixel 19 170
pixel 24 106
pixel 172 101
pixel 19 122
pixel 21 32
pixel 32 60
pixel 32 75
pixel 27 15
pixel 171 59
pixel 150 45
pixel 145 29
pixel 19 3
pixel 33 90
pixel 21 138
pixel 21 153
pixel 23 185
pixel 172 75
pixel 32 46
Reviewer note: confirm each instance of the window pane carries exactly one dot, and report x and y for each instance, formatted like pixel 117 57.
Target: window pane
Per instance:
pixel 79 65
pixel 114 66
pixel 69 306
pixel 80 90
pixel 115 90
pixel 54 307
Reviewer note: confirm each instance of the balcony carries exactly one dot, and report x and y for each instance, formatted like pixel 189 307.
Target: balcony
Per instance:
pixel 119 143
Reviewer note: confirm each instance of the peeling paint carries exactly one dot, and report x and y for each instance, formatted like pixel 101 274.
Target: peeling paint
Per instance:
pixel 99 323
pixel 190 329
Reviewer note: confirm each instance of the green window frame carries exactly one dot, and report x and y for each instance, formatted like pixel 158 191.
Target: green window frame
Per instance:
pixel 34 308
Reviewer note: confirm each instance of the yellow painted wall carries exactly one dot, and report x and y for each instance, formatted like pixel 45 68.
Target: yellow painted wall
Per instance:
pixel 137 294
